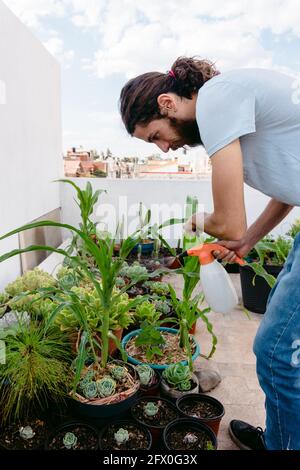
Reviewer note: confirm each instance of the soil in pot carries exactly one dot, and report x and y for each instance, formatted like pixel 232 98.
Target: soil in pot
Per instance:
pixel 171 350
pixel 166 412
pixel 203 407
pixel 87 437
pixel 11 439
pixel 139 437
pixel 187 434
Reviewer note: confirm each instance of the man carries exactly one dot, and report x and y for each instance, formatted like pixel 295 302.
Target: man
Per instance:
pixel 249 123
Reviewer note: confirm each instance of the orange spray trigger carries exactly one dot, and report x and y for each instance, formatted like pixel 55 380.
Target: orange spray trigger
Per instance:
pixel 205 253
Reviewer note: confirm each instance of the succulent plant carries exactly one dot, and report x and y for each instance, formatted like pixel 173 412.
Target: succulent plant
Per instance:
pixel 146 312
pixel 178 376
pixel 69 440
pixel 134 272
pixel 157 287
pixel 120 282
pixel 146 373
pixel 106 386
pixel 26 432
pixel 162 306
pixel 151 409
pixel 90 390
pixel 121 436
pixel 190 438
pixel 118 372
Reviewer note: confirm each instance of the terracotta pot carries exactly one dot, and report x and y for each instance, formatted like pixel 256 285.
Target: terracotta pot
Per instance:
pixel 111 345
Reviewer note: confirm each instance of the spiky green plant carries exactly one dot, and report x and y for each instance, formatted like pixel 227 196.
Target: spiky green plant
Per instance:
pixel 36 370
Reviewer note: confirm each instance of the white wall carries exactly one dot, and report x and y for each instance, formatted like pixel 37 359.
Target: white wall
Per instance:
pixel 123 195
pixel 30 132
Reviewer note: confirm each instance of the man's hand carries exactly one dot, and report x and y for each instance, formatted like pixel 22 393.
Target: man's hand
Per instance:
pixel 235 248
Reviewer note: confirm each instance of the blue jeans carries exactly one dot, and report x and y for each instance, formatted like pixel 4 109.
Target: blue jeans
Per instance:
pixel 277 350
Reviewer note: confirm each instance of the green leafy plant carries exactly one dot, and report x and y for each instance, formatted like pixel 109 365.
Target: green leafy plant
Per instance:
pixel 178 376
pixel 294 229
pixel 156 287
pixel 36 369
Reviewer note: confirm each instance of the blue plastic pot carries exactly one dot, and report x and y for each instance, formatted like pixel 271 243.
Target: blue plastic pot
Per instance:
pixel 132 360
pixel 146 248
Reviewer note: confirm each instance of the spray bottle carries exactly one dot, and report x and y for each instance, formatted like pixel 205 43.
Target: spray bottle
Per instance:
pixel 217 286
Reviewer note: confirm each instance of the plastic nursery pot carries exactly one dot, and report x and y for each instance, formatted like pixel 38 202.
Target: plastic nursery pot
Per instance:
pixel 93 412
pixel 155 429
pixel 255 296
pixel 159 367
pixel 107 434
pixel 189 425
pixel 154 389
pixel 11 440
pixel 213 421
pixel 173 394
pixel 146 247
pixel 87 436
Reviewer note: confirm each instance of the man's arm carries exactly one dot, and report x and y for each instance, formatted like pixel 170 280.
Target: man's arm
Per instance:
pixel 272 215
pixel 228 221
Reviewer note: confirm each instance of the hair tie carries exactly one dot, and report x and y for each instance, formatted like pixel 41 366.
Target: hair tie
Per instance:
pixel 171 74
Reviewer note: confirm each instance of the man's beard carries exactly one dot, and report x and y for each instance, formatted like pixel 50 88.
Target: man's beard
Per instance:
pixel 187 132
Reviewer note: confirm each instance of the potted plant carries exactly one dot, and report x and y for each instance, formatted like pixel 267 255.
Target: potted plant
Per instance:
pixel 178 380
pixel 75 435
pixel 189 435
pixel 125 435
pixel 36 373
pixel 258 276
pixel 154 413
pixel 28 434
pixel 145 245
pixel 202 407
pixel 149 379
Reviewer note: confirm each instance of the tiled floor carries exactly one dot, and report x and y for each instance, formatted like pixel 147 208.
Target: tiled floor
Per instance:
pixel 239 390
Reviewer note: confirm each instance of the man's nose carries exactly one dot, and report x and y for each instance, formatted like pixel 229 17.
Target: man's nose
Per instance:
pixel 164 146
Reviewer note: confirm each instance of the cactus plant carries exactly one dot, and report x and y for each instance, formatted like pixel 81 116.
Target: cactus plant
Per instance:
pixel 146 374
pixel 121 436
pixel 69 440
pixel 106 387
pixel 151 409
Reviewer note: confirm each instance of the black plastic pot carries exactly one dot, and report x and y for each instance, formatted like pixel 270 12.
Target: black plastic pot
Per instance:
pixel 156 430
pixel 214 422
pixel 255 296
pixel 193 425
pixel 122 424
pixel 154 389
pixel 68 427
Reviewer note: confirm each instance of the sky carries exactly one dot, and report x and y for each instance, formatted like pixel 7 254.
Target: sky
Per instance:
pixel 102 43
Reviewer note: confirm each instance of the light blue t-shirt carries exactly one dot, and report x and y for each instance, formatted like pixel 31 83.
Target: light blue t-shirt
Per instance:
pixel 262 108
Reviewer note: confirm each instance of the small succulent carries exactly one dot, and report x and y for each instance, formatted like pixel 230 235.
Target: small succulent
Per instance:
pixel 157 287
pixel 162 306
pixel 146 373
pixel 151 409
pixel 134 272
pixel 190 438
pixel 178 376
pixel 69 440
pixel 120 282
pixel 118 372
pixel 90 390
pixel 26 432
pixel 106 387
pixel 121 436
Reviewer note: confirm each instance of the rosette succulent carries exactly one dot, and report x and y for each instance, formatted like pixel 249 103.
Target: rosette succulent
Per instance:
pixel 118 372
pixel 121 436
pixel 178 376
pixel 145 373
pixel 151 409
pixel 106 387
pixel 26 432
pixel 69 440
pixel 90 390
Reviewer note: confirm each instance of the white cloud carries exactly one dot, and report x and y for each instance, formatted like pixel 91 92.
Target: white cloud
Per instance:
pixel 140 35
pixel 31 11
pixel 55 46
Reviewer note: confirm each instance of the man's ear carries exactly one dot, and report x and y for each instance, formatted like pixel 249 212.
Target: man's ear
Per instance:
pixel 166 103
